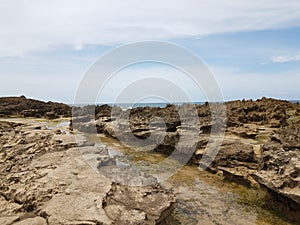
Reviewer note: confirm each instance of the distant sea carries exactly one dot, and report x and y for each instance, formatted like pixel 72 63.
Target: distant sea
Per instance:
pixel 150 104
pixel 161 104
pixel 157 104
pixel 295 101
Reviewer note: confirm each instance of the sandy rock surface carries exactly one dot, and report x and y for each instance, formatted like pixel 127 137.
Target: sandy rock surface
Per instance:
pixel 45 179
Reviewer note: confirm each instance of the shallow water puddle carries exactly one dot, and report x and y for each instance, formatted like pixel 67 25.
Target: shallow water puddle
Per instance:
pixel 202 197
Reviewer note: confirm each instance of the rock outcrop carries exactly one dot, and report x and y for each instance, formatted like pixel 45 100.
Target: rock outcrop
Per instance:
pixel 45 179
pixel 24 107
pixel 279 168
pixel 261 147
pixel 261 144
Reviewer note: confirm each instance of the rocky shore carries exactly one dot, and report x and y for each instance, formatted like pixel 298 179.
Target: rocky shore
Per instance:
pixel 261 146
pixel 49 177
pixel 45 177
pixel 45 180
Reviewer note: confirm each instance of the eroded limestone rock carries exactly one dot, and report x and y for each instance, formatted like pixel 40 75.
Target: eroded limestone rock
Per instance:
pixel 43 173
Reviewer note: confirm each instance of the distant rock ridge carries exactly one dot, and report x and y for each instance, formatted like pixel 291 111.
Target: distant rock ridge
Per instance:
pixel 25 107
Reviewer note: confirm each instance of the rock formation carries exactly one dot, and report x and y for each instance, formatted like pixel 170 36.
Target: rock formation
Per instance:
pixel 24 107
pixel 261 144
pixel 44 179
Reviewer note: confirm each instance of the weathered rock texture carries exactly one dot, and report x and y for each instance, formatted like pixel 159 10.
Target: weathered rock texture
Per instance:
pixel 45 179
pixel 261 144
pixel 261 147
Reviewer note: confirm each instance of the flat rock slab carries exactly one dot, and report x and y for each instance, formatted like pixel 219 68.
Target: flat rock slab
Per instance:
pixel 8 220
pixel 32 221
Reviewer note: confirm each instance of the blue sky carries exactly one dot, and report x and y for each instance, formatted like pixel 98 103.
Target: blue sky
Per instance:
pixel 252 48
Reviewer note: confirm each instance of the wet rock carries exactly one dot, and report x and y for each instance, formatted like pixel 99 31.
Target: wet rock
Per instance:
pixel 204 204
pixel 232 153
pixel 240 175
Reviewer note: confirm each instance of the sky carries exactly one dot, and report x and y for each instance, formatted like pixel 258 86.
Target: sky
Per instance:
pixel 251 47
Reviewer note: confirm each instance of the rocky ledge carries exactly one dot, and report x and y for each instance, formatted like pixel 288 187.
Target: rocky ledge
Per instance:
pixel 46 179
pixel 261 144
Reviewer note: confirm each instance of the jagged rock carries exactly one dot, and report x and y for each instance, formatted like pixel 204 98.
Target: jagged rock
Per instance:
pixel 279 168
pixel 263 111
pixel 230 154
pixel 280 171
pixel 261 135
pixel 289 137
pixel 58 181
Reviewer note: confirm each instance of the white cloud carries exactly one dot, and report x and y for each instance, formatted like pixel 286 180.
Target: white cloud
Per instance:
pixel 34 25
pixel 283 59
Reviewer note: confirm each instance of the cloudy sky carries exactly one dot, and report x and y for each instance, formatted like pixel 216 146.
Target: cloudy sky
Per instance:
pixel 252 47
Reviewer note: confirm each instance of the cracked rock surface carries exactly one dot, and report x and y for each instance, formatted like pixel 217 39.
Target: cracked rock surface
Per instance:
pixel 261 144
pixel 44 179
